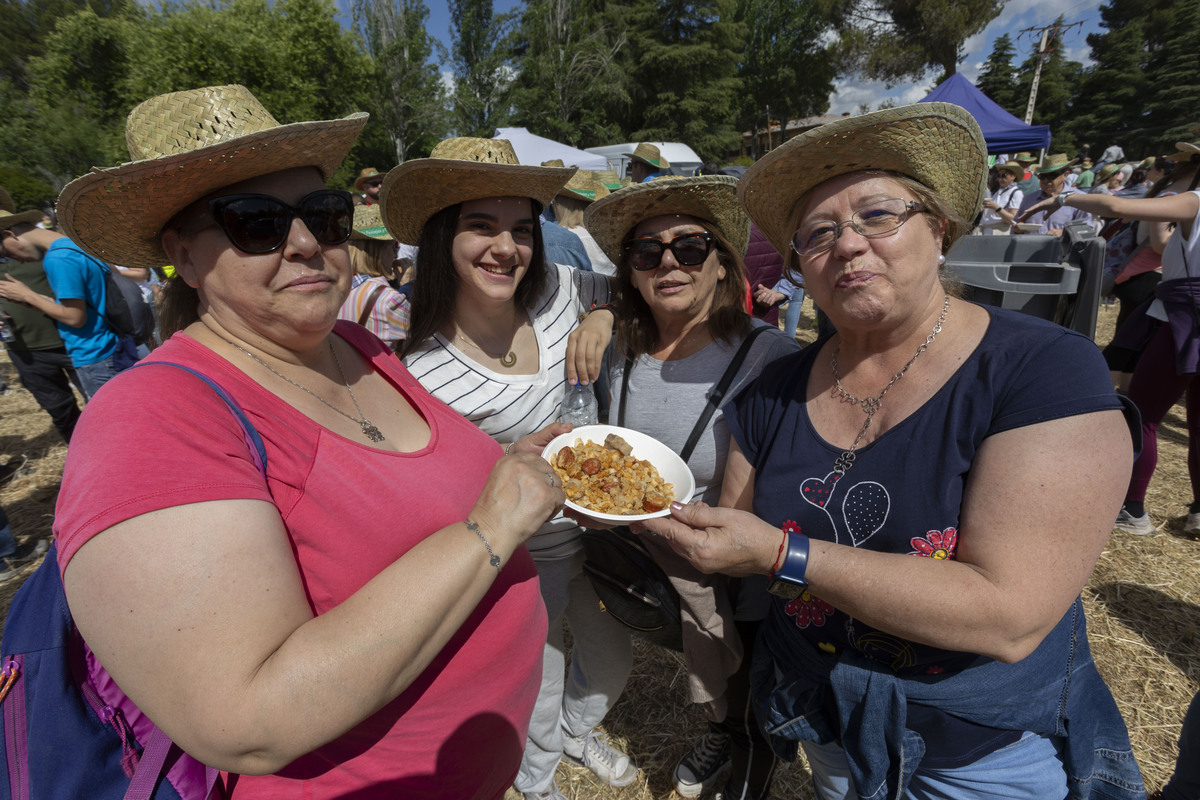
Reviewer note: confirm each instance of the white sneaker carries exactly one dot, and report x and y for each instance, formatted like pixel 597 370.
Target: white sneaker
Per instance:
pixel 1139 526
pixel 605 761
pixel 550 794
pixel 699 770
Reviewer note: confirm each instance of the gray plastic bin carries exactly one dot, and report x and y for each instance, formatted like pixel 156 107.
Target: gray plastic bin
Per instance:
pixel 1052 277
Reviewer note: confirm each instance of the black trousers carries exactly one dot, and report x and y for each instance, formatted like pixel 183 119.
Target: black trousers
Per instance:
pixel 48 375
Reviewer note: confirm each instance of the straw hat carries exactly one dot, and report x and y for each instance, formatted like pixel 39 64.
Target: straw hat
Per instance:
pixel 609 178
pixel 1024 157
pixel 1107 172
pixel 648 154
pixel 938 144
pixel 365 175
pixel 1054 164
pixel 1186 150
pixel 6 201
pixel 1017 170
pixel 185 146
pixel 8 220
pixel 368 224
pixel 710 198
pixel 456 171
pixel 584 186
pixel 554 162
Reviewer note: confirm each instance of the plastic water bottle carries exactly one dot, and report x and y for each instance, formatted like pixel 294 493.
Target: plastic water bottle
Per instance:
pixel 579 406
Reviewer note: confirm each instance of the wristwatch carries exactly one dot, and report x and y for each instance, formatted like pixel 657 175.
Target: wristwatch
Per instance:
pixel 788 581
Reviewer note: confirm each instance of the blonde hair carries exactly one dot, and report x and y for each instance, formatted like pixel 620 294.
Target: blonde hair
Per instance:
pixel 569 211
pixel 368 256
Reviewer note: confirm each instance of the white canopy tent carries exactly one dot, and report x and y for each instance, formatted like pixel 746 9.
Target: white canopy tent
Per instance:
pixel 533 150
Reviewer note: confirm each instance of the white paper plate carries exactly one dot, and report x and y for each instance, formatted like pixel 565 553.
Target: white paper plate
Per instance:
pixel 1027 227
pixel 668 463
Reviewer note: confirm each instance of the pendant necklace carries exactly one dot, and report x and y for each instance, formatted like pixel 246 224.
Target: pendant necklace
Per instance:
pixel 871 405
pixel 368 428
pixel 507 360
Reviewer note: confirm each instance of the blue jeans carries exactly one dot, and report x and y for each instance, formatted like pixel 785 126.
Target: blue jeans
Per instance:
pixel 8 545
pixel 93 376
pixel 1185 783
pixel 1029 769
pixel 792 319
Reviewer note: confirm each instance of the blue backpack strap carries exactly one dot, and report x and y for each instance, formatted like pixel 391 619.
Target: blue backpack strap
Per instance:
pixel 253 440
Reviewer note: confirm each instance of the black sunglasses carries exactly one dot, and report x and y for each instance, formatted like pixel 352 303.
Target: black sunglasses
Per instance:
pixel 259 223
pixel 689 250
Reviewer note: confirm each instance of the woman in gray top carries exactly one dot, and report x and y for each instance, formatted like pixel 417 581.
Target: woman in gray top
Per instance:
pixel 681 320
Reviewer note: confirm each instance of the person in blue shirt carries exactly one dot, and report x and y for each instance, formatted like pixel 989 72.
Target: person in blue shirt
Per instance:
pixel 646 163
pixel 77 280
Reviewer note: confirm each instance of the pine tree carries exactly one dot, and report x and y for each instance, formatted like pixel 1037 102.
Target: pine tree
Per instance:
pixel 1174 96
pixel 685 82
pixel 998 78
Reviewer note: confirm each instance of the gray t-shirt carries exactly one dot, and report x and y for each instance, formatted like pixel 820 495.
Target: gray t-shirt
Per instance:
pixel 667 397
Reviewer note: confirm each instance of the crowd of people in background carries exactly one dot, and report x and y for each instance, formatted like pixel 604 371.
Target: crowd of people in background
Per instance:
pixel 425 328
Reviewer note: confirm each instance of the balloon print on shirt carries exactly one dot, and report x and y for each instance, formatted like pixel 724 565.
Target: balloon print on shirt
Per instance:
pixel 864 508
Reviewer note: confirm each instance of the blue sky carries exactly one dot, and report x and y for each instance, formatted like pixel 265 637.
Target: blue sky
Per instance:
pixel 1017 15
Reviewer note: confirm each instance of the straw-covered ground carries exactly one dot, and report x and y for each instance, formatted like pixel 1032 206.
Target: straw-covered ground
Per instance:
pixel 1143 603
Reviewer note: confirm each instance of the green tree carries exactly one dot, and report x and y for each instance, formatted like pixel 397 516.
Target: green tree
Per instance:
pixel 482 69
pixel 685 83
pixel 568 70
pixel 27 23
pixel 1115 90
pixel 408 99
pixel 785 66
pixel 896 40
pixel 1172 99
pixel 998 78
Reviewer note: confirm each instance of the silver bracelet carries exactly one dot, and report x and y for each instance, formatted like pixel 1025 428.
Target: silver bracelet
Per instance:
pixel 495 559
pixel 508 447
pixel 1061 199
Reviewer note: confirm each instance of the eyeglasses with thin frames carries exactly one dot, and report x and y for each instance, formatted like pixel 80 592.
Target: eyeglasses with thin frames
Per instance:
pixel 877 219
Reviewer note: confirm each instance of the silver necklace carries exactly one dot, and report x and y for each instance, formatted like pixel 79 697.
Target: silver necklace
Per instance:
pixel 871 405
pixel 369 430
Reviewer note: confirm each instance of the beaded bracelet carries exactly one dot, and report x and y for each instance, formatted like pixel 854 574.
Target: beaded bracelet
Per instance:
pixel 494 559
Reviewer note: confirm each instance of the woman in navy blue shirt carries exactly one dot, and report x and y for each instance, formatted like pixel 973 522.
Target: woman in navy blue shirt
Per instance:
pixel 928 489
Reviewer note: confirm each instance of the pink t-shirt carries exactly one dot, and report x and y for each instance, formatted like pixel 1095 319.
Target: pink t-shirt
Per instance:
pixel 349 510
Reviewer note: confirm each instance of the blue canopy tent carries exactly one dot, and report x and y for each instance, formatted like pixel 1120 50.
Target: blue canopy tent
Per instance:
pixel 1003 132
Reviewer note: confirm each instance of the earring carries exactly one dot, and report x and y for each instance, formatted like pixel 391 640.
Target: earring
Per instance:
pixel 941 260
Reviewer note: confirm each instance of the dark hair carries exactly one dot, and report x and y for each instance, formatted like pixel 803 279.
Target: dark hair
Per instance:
pixel 435 289
pixel 178 307
pixel 636 331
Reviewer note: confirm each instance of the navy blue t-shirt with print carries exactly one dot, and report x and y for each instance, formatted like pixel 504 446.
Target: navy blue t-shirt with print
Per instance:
pixel 904 493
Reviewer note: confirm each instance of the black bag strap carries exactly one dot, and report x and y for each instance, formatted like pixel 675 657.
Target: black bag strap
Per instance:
pixel 714 399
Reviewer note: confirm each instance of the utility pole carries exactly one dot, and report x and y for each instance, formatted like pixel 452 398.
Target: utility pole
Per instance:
pixel 1051 36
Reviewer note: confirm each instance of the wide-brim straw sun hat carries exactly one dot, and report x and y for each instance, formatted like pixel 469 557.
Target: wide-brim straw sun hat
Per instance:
pixel 1185 151
pixel 8 220
pixel 939 145
pixel 1107 172
pixel 1055 164
pixel 6 201
pixel 185 146
pixel 368 224
pixel 364 175
pixel 1015 168
pixel 650 155
pixel 712 199
pixel 584 186
pixel 457 171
